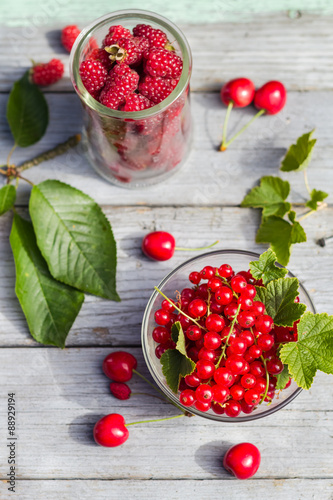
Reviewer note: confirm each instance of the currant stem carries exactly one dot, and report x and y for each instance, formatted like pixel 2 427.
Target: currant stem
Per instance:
pixel 157 389
pixel 267 379
pixel 178 309
pixel 155 420
pixel 197 249
pixel 307 181
pixel 225 126
pixel 261 112
pixel 231 327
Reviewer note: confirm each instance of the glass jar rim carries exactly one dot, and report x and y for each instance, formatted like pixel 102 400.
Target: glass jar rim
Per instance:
pixel 112 17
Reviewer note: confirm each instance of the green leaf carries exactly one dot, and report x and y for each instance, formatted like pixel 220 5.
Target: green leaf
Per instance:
pixel 279 297
pixel 265 268
pixel 75 238
pixel 313 351
pixel 50 307
pixel 27 112
pixel 270 195
pixel 281 235
pixel 282 378
pixel 175 363
pixel 299 155
pixel 7 198
pixel 316 198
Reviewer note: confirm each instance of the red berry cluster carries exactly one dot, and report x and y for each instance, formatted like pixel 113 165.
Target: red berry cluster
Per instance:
pixel 229 336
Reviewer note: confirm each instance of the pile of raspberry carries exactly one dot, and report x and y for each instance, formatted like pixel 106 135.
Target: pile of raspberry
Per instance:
pixel 231 339
pixel 132 71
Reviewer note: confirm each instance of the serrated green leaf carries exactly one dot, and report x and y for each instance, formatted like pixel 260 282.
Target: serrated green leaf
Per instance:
pixel 265 268
pixel 279 299
pixel 270 196
pixel 317 197
pixel 49 306
pixel 27 112
pixel 281 235
pixel 75 238
pixel 313 351
pixel 7 198
pixel 175 363
pixel 299 155
pixel 282 378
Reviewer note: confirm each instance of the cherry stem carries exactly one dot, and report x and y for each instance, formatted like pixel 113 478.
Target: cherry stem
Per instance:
pixel 155 420
pixel 225 126
pixel 146 394
pixel 306 180
pixel 157 389
pixel 178 309
pixel 261 112
pixel 197 249
pixel 231 327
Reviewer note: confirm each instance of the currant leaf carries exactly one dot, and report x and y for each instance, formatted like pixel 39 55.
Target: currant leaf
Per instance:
pixel 299 155
pixel 7 198
pixel 265 268
pixel 313 351
pixel 282 378
pixel 175 363
pixel 279 299
pixel 270 196
pixel 281 235
pixel 317 197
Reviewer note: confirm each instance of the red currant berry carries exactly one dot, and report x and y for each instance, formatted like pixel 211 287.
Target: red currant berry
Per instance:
pixel 260 385
pixel 224 376
pixel 217 408
pixel 246 408
pixel 207 272
pixel 239 91
pixel 252 397
pixel 232 408
pixel 246 319
pixel 119 366
pixel 226 271
pixel 274 366
pixel 247 337
pixel 258 308
pixel 249 292
pixel 194 333
pixel 288 384
pixel 246 368
pixel 271 97
pixel 111 430
pixel 242 460
pixel 202 291
pixel 187 397
pixel 215 323
pixel 197 308
pixel 212 340
pixel 204 393
pixel 216 308
pixel 160 349
pixel 237 345
pixel 282 334
pixel 214 284
pixel 248 381
pixel 264 323
pixel 199 343
pixel 161 335
pixel 248 357
pixel 224 295
pixel 225 333
pixel 272 383
pixel 192 380
pixel 230 310
pixel 235 364
pixel 205 369
pixel 188 294
pixel 193 353
pixel 162 317
pixel 237 392
pixel 202 406
pixel 238 283
pixel 269 396
pixel 257 369
pixel 266 341
pixel 184 321
pixel 220 393
pixel 159 245
pixel 195 278
pixel 245 303
pixel 207 354
pixel 255 351
pixel 167 306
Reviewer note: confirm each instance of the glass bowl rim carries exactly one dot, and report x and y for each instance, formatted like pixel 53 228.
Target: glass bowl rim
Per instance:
pixel 134 115
pixel 144 328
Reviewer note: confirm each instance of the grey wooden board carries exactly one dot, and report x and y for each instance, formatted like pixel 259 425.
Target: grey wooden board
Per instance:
pixel 209 177
pixel 268 47
pixel 103 322
pixel 214 489
pixel 60 394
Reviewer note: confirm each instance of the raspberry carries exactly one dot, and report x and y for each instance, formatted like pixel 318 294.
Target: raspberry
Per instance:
pixel 121 82
pixel 120 390
pixel 136 102
pixel 48 73
pixel 116 32
pixel 93 75
pixel 128 51
pixel 162 62
pixel 157 88
pixel 68 36
pixel 155 36
pixel 102 56
pixel 111 99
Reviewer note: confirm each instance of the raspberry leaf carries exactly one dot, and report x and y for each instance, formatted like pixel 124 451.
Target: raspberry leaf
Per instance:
pixel 279 297
pixel 313 351
pixel 75 238
pixel 7 198
pixel 265 268
pixel 281 235
pixel 49 306
pixel 175 363
pixel 316 198
pixel 299 155
pixel 270 196
pixel 282 378
pixel 27 112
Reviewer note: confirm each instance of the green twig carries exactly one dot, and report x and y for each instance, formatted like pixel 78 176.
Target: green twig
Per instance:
pixel 225 126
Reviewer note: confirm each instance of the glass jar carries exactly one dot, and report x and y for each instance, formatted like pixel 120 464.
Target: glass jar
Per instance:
pixel 135 149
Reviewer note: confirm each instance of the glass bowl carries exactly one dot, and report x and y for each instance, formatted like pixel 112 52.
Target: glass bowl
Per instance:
pixel 177 280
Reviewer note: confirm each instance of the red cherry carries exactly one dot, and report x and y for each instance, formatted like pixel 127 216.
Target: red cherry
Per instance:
pixel 111 430
pixel 239 91
pixel 242 460
pixel 271 97
pixel 118 366
pixel 159 245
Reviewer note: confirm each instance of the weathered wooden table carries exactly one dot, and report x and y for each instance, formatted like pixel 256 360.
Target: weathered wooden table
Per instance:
pixel 61 393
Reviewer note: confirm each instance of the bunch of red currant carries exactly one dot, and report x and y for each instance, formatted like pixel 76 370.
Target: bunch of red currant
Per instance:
pixel 229 336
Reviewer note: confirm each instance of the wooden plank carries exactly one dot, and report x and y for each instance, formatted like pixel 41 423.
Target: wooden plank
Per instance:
pixel 209 177
pixel 173 490
pixel 60 394
pixel 103 322
pixel 267 46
